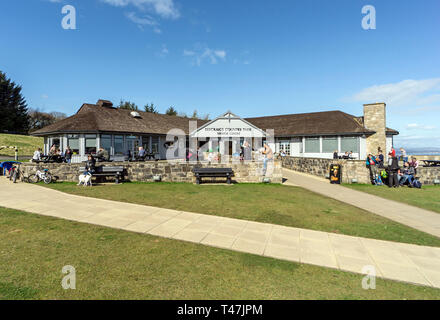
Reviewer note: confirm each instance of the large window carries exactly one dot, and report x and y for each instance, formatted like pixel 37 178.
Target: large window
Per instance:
pixel 106 142
pixel 312 145
pixel 73 142
pixel 155 144
pixel 119 145
pixel 285 146
pixel 329 144
pixel 90 143
pixel 350 144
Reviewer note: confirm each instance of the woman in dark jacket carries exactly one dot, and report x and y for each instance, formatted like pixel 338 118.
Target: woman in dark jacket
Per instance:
pixel 90 165
pixel 393 168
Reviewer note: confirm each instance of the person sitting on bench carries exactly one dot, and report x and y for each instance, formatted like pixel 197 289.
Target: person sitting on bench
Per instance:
pixel 102 155
pixel 142 154
pixel 406 174
pixel 90 165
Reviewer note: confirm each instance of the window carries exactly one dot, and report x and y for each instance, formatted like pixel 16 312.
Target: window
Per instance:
pixel 119 145
pixel 285 146
pixel 106 142
pixel 155 144
pixel 90 143
pixel 329 144
pixel 350 144
pixel 312 145
pixel 73 142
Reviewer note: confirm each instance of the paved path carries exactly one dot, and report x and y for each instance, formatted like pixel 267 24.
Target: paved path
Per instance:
pixel 392 260
pixel 417 218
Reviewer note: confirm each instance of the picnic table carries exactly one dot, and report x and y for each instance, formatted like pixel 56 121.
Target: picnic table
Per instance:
pixel 431 163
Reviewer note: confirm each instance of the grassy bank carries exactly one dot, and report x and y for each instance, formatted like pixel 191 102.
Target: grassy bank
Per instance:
pixel 277 204
pixel 115 264
pixel 428 197
pixel 26 144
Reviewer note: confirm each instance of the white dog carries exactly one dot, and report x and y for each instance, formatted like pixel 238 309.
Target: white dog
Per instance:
pixel 85 180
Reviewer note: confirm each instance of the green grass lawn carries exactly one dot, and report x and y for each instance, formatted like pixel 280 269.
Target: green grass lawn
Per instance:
pixel 428 197
pixel 26 144
pixel 278 204
pixel 115 264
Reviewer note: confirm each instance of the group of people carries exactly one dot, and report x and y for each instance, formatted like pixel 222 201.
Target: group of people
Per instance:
pixel 54 154
pixel 395 175
pixel 348 155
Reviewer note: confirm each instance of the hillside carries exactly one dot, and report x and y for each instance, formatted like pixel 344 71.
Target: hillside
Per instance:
pixel 26 144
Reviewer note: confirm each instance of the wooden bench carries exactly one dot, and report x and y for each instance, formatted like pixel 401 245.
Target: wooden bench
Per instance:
pixel 213 173
pixel 107 171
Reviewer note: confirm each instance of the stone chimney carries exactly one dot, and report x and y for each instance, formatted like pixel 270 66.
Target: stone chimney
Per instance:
pixel 375 120
pixel 104 103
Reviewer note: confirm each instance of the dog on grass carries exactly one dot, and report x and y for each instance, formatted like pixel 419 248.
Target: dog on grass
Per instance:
pixel 85 180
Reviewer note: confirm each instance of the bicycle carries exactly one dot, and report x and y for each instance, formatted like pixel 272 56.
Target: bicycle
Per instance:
pixel 43 175
pixel 15 173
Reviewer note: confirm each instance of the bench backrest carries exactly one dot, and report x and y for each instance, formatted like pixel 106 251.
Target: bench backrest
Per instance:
pixel 212 170
pixel 106 169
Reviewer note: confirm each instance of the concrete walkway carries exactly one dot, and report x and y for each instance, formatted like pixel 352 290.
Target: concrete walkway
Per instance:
pixel 414 217
pixel 397 261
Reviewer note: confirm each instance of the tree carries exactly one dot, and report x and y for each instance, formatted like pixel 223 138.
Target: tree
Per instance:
pixel 128 105
pixel 150 108
pixel 39 119
pixel 195 115
pixel 13 107
pixel 171 111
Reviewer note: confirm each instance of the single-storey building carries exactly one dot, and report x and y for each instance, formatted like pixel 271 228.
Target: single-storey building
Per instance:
pixel 316 134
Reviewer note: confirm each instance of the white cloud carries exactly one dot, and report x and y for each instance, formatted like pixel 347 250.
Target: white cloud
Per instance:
pixel 163 52
pixel 405 92
pixel 414 126
pixel 201 54
pixel 44 96
pixel 143 21
pixel 164 8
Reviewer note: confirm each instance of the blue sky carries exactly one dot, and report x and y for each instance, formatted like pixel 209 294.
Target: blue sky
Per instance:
pixel 252 57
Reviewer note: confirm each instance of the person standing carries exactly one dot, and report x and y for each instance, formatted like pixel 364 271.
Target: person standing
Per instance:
pixel 268 156
pixel 403 155
pixel 68 154
pixel 393 179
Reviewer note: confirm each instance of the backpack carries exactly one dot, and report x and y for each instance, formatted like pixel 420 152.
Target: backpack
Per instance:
pixel 384 174
pixel 417 184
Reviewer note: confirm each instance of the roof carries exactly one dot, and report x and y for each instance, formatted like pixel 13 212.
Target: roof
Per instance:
pixel 102 117
pixel 92 118
pixel 326 123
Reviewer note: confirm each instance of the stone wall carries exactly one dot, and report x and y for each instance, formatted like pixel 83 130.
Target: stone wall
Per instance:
pixel 244 172
pixel 351 169
pixel 428 174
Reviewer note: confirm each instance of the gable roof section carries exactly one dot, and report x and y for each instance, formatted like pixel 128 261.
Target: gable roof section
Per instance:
pixel 229 116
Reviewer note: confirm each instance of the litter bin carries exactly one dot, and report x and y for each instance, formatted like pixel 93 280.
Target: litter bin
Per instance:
pixel 335 173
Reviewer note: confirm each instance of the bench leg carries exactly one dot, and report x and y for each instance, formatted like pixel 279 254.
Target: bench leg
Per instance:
pixel 117 179
pixel 198 180
pixel 229 180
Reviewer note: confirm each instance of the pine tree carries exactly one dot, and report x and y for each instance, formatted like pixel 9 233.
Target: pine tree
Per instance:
pixel 13 108
pixel 171 111
pixel 150 108
pixel 128 105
